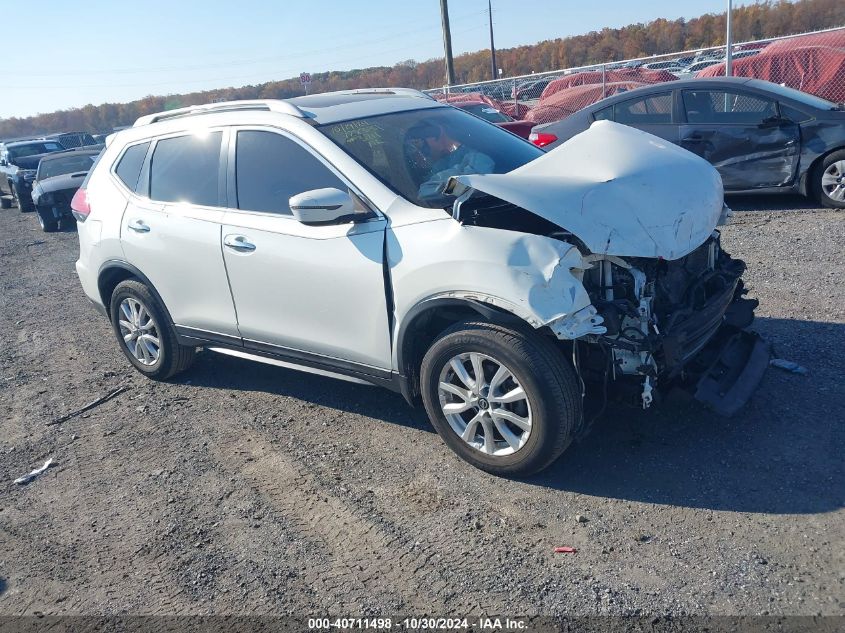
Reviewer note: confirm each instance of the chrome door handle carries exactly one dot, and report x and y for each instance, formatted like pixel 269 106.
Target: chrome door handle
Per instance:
pixel 138 226
pixel 238 243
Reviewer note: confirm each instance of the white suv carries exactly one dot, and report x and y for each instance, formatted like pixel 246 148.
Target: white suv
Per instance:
pixel 385 238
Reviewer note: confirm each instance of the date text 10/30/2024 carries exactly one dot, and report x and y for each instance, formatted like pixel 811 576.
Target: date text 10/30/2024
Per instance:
pixel 417 624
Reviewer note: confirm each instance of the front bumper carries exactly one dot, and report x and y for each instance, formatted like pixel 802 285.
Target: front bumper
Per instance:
pixel 741 359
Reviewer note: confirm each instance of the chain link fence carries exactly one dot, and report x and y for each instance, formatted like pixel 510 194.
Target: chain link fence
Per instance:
pixel 811 62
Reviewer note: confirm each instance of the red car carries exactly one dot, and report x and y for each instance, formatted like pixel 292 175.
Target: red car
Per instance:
pixel 489 113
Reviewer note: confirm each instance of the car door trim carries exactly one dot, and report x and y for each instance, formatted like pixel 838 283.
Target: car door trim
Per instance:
pixel 298 358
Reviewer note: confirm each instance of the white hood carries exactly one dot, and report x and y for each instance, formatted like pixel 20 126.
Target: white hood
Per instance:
pixel 621 191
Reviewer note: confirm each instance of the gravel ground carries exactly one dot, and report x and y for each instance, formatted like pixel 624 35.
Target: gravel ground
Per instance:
pixel 244 488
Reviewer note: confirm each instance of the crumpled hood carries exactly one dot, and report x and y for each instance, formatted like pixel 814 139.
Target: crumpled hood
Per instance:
pixel 619 190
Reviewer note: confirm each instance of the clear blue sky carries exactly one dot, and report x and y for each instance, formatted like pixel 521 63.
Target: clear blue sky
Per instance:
pixel 61 54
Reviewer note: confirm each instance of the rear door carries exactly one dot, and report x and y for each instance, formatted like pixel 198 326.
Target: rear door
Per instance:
pixel 742 135
pixel 314 293
pixel 171 231
pixel 651 113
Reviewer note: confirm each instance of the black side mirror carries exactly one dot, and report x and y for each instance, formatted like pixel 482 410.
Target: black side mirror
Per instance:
pixel 774 121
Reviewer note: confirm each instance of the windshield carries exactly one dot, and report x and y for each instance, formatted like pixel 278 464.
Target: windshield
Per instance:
pixel 486 112
pixel 31 149
pixel 802 97
pixel 415 153
pixel 49 168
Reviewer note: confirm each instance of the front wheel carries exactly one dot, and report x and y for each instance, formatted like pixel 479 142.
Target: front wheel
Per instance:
pixel 505 399
pixel 48 223
pixel 829 181
pixel 145 334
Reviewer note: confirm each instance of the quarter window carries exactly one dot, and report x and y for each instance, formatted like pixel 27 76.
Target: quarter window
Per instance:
pixel 187 169
pixel 270 168
pixel 129 167
pixel 726 107
pixel 794 114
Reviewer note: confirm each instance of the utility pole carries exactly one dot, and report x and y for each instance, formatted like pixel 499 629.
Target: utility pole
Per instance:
pixel 447 43
pixel 495 74
pixel 729 45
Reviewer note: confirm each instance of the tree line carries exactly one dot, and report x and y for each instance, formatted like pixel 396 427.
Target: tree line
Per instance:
pixel 764 19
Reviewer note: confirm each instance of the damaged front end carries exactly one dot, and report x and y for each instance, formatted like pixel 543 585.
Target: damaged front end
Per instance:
pixel 681 322
pixel 668 305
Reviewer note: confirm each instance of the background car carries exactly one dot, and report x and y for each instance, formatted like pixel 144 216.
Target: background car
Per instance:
pixel 762 137
pixel 58 177
pixel 531 89
pixel 18 163
pixel 489 113
pixel 69 140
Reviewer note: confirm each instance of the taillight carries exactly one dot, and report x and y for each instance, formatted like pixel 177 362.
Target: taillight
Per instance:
pixel 541 139
pixel 79 205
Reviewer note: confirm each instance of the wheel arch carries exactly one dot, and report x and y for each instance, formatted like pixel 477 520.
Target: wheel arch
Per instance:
pixel 427 319
pixel 806 187
pixel 114 271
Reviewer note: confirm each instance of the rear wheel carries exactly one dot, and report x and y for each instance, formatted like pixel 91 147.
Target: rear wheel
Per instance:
pixel 145 334
pixel 505 399
pixel 829 181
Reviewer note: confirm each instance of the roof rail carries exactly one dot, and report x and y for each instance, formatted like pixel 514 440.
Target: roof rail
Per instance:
pixel 270 105
pixel 406 92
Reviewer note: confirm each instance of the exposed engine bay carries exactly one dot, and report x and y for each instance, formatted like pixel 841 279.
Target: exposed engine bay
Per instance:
pixel 653 321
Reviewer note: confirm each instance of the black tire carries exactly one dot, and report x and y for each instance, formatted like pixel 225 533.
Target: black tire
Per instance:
pixel 23 207
pixel 14 193
pixel 173 357
pixel 547 378
pixel 817 188
pixel 48 223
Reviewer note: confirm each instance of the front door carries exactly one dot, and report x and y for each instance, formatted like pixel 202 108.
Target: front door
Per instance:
pixel 743 136
pixel 310 292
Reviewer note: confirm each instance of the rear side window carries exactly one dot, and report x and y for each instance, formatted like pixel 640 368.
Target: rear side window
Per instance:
pixel 270 168
pixel 654 109
pixel 129 167
pixel 187 169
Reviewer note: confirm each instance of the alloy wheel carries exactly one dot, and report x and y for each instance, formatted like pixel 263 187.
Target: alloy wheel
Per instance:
pixel 484 404
pixel 833 181
pixel 139 331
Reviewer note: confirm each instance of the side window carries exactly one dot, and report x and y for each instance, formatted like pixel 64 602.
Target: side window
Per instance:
pixel 646 110
pixel 129 167
pixel 726 107
pixel 187 169
pixel 605 114
pixel 270 168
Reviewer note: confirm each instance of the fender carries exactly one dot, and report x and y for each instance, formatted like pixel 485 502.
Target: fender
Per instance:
pixel 119 264
pixel 466 300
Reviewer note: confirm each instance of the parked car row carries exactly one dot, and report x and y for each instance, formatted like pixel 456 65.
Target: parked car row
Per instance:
pixel 42 174
pixel 687 66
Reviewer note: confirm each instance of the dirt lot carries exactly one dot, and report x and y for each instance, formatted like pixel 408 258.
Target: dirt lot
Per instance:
pixel 244 488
